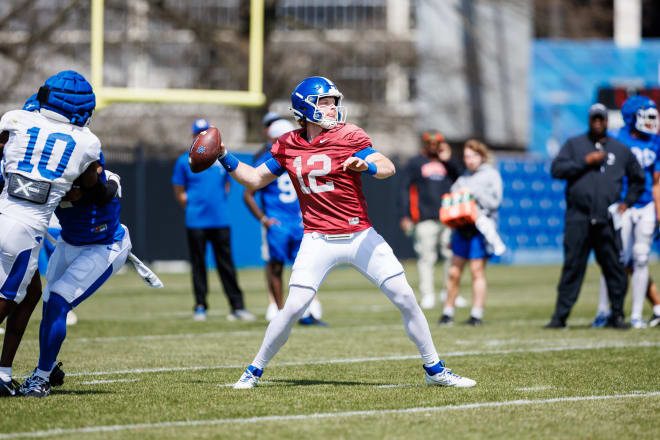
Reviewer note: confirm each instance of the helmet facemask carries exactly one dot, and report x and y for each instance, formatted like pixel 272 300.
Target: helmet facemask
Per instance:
pixel 318 117
pixel 646 120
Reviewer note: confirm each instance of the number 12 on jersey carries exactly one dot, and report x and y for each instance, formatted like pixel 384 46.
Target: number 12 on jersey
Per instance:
pixel 26 163
pixel 314 187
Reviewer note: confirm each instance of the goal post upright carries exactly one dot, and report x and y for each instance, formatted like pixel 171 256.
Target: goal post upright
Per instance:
pixel 252 97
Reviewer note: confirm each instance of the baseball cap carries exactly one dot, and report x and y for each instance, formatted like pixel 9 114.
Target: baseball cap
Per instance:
pixel 598 109
pixel 279 127
pixel 199 125
pixel 270 117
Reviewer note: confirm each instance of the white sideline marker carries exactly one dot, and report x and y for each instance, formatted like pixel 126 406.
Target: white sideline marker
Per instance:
pixel 317 416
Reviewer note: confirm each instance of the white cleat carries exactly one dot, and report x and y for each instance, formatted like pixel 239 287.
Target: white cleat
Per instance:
pixel 428 301
pixel 638 323
pixel 249 378
pixel 446 378
pixel 241 315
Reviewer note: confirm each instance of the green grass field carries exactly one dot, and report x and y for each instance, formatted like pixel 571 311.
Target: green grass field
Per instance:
pixel 139 367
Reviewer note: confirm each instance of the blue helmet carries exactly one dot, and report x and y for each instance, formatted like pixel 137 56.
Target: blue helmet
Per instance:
pixel 305 98
pixel 641 113
pixel 69 94
pixel 199 125
pixel 31 104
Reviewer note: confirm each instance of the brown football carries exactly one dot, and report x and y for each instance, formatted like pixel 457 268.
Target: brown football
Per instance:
pixel 204 149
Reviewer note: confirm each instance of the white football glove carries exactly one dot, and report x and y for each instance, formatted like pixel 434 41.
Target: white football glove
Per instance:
pixel 109 175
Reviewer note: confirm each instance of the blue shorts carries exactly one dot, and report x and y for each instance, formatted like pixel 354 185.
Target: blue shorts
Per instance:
pixel 470 248
pixel 283 242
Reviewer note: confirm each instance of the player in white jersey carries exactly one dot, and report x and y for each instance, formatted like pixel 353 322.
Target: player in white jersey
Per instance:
pixel 45 151
pixel 637 222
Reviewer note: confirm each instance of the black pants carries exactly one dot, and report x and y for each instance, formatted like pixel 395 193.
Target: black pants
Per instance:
pixel 221 243
pixel 579 239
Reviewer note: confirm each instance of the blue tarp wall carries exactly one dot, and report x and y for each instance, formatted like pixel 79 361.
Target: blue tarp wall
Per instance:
pixel 565 76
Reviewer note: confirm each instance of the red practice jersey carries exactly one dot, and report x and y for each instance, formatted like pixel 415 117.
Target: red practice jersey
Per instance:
pixel 331 199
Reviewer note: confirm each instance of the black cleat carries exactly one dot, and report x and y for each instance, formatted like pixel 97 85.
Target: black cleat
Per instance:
pixel 556 324
pixel 57 376
pixel 35 386
pixel 654 321
pixel 617 322
pixel 474 321
pixel 9 389
pixel 446 320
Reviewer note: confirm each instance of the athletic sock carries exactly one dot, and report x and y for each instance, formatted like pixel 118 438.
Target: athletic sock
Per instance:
pixel 43 374
pixel 279 329
pixel 448 310
pixel 5 374
pixel 477 312
pixel 52 331
pixel 417 328
pixel 656 310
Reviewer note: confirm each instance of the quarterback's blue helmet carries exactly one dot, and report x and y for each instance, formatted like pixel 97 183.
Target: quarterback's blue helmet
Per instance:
pixel 641 113
pixel 199 125
pixel 69 94
pixel 31 104
pixel 305 98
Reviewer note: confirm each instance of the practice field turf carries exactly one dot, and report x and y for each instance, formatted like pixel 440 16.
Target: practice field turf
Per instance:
pixel 139 367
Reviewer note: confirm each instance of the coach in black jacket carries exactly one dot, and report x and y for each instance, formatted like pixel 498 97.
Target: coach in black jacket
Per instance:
pixel 594 166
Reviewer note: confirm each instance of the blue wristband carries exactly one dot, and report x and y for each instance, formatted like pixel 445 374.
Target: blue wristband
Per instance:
pixel 228 161
pixel 373 169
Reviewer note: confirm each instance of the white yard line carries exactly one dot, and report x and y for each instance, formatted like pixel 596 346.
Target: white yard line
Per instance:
pixel 96 382
pixel 317 416
pixel 376 359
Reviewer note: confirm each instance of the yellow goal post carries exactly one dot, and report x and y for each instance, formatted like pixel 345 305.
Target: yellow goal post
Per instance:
pixel 253 97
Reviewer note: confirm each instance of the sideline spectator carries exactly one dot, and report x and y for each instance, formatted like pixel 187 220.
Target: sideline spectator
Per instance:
pixel 426 178
pixel 207 221
pixel 594 165
pixel 469 243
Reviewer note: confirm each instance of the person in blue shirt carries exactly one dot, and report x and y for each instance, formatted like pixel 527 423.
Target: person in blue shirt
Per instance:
pixel 282 229
pixel 638 222
pixel 204 198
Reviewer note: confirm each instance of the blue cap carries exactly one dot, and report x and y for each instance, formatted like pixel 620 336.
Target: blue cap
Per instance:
pixel 270 117
pixel 199 125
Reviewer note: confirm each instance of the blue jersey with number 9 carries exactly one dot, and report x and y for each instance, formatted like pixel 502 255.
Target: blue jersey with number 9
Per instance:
pixel 43 156
pixel 278 198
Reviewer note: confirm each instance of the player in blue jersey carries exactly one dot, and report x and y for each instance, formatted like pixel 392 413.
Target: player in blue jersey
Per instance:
pixel 282 229
pixel 637 222
pixel 93 245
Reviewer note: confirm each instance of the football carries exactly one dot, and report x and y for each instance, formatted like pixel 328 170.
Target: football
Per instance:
pixel 204 150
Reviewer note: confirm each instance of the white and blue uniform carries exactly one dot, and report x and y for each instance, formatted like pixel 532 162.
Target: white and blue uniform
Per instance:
pixel 638 221
pixel 42 157
pixel 282 240
pixel 92 246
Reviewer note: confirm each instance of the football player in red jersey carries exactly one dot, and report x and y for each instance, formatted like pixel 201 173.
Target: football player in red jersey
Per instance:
pixel 325 159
